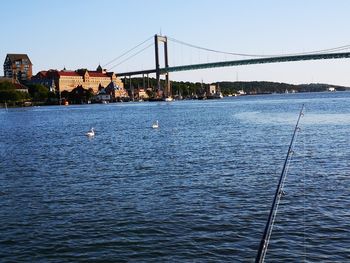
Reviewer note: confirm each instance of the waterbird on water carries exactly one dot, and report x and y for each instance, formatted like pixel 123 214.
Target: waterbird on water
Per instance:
pixel 155 125
pixel 91 133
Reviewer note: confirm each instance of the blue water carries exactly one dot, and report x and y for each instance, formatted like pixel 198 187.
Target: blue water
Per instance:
pixel 198 189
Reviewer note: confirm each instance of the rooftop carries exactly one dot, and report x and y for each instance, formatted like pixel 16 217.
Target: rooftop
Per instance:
pixel 15 57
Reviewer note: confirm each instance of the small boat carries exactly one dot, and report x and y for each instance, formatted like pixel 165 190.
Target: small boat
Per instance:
pixel 168 99
pixel 91 133
pixel 218 95
pixel 155 125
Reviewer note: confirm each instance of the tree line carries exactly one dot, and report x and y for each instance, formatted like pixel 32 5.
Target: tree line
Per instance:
pixel 228 87
pixel 10 95
pixel 37 93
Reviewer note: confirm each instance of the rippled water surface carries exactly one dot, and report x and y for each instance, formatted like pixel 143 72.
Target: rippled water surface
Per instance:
pixel 198 189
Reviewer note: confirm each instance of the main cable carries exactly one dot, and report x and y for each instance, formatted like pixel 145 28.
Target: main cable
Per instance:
pixel 133 55
pixel 126 52
pixel 340 48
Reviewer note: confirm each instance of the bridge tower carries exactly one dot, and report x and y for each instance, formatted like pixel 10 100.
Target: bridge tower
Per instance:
pixel 162 39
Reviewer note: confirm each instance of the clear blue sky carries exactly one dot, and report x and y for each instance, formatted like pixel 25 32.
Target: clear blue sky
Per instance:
pixel 84 33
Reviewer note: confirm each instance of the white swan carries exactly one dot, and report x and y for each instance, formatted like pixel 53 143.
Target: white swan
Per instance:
pixel 91 133
pixel 155 125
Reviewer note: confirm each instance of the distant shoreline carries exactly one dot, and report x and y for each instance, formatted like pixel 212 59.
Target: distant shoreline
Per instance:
pixel 9 106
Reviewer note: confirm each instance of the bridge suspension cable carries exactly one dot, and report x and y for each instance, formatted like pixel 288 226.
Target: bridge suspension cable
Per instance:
pixel 131 56
pixel 329 53
pixel 335 49
pixel 128 51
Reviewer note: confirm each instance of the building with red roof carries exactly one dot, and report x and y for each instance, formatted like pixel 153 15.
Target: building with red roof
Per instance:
pixel 65 80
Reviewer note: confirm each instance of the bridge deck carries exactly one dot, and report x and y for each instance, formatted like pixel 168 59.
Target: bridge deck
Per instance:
pixel 241 62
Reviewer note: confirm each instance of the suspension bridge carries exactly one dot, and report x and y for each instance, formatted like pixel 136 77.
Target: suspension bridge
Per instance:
pixel 331 53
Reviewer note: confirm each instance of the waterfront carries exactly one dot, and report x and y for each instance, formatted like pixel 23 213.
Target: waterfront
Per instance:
pixel 198 189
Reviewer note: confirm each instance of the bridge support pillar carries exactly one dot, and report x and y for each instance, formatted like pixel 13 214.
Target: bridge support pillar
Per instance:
pixel 162 39
pixel 148 82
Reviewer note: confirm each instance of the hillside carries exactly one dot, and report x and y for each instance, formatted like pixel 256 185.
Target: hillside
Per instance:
pixel 229 87
pixel 264 87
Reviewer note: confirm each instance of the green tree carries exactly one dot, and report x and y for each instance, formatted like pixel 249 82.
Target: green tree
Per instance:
pixel 8 93
pixel 38 92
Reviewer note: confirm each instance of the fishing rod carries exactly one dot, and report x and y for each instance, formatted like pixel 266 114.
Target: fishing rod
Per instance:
pixel 260 257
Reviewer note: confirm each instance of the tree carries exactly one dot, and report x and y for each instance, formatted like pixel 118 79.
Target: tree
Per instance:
pixel 80 95
pixel 38 92
pixel 8 93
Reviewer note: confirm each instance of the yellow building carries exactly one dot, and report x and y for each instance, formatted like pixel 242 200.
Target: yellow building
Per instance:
pixel 66 80
pixel 141 94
